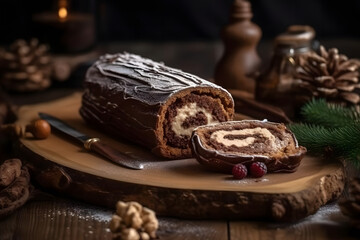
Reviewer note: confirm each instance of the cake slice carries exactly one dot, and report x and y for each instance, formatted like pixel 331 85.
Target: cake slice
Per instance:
pixel 146 102
pixel 220 146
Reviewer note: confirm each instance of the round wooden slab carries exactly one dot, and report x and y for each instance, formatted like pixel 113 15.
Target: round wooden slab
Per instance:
pixel 180 188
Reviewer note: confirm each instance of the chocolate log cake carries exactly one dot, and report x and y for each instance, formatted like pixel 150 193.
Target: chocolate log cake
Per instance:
pixel 151 104
pixel 220 146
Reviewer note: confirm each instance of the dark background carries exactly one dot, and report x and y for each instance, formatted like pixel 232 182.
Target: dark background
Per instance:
pixel 187 20
pixel 185 34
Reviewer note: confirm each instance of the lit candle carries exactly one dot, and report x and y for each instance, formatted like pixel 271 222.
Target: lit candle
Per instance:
pixel 64 30
pixel 62 12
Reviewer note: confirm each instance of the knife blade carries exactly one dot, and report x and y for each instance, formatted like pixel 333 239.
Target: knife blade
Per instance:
pixel 94 144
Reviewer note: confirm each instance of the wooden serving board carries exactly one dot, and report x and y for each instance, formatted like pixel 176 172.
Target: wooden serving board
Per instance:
pixel 178 188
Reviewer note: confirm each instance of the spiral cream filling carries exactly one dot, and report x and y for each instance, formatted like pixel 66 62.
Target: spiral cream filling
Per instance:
pixel 186 111
pixel 271 141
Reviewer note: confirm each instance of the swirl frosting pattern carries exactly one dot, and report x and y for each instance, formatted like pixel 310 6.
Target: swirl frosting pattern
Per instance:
pixel 221 146
pixel 233 137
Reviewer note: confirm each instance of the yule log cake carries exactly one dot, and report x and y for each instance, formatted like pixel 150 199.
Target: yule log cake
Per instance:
pixel 151 104
pixel 220 146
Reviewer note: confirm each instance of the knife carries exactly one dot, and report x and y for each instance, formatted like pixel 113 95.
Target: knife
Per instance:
pixel 94 144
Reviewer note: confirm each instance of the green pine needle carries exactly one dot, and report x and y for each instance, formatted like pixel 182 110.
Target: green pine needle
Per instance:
pixel 346 140
pixel 330 127
pixel 314 138
pixel 319 112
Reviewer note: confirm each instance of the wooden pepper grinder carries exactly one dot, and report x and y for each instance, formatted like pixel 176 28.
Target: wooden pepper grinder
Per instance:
pixel 240 61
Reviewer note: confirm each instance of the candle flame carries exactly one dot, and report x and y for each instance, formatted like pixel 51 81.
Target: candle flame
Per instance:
pixel 62 13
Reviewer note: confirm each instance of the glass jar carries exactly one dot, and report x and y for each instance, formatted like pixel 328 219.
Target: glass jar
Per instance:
pixel 276 85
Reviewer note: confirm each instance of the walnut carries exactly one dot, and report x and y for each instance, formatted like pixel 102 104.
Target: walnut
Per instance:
pixel 133 221
pixel 144 236
pixel 9 170
pixel 151 224
pixel 130 234
pixel 14 186
pixel 115 223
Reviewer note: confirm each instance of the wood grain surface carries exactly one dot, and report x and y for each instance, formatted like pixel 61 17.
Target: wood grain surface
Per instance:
pixel 180 188
pixel 59 218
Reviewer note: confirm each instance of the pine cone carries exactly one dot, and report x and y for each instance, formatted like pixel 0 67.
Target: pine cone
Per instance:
pixel 351 206
pixel 329 75
pixel 25 67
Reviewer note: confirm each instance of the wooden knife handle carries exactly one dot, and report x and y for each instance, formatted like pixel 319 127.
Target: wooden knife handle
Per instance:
pixel 95 145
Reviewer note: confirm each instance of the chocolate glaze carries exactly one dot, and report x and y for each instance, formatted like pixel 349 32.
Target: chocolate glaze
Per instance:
pixel 127 95
pixel 138 76
pixel 219 161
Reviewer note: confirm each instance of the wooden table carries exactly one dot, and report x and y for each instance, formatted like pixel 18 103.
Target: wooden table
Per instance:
pixel 55 217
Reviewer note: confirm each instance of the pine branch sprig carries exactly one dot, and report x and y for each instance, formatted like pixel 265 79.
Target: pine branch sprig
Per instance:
pixel 330 127
pixel 319 112
pixel 315 138
pixel 346 142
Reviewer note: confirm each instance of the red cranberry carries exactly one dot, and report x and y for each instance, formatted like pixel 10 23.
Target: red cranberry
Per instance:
pixel 258 169
pixel 239 171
